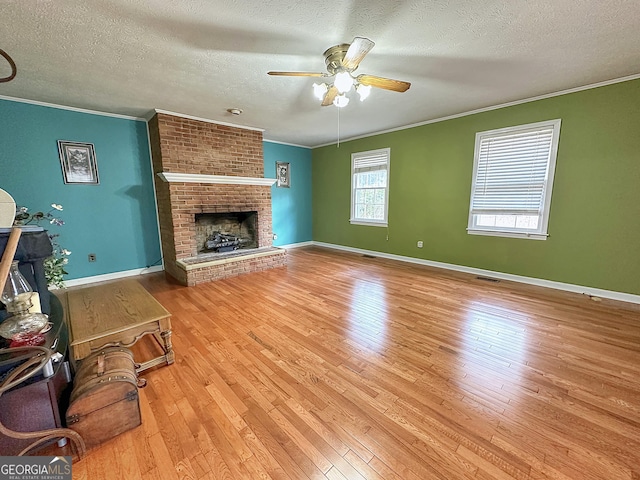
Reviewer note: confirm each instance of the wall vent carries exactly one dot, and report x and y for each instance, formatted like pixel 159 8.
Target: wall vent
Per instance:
pixel 488 279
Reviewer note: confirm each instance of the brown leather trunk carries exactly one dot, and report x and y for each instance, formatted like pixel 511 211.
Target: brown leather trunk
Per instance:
pixel 104 401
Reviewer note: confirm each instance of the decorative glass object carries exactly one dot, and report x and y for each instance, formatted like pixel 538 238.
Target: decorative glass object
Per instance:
pixel 17 292
pixel 17 296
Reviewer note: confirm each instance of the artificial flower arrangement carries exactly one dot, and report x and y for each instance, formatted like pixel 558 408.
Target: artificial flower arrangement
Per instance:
pixel 54 265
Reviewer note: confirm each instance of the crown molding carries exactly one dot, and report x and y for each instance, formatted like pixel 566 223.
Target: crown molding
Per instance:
pixel 72 109
pixel 605 83
pixel 170 177
pixel 266 140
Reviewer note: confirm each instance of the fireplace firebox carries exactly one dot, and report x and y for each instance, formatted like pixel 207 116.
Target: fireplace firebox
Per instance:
pixel 224 232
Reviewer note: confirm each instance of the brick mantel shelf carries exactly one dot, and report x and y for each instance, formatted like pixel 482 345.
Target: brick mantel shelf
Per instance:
pixel 170 177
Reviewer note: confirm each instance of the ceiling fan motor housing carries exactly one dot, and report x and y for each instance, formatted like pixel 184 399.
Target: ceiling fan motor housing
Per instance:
pixel 334 56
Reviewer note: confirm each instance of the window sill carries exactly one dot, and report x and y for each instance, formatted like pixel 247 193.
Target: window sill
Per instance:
pixel 370 223
pixel 498 233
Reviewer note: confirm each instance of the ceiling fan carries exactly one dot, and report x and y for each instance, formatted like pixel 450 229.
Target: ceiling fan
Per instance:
pixel 342 60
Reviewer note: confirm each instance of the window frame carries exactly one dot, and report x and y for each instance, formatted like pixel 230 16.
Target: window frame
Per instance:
pixel 541 233
pixel 370 222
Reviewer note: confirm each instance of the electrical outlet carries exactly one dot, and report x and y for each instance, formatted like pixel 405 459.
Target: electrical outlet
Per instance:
pixel 92 257
pixel 275 236
pixel 420 244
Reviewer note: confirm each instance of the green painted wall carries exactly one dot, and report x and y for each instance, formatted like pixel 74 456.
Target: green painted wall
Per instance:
pixel 594 224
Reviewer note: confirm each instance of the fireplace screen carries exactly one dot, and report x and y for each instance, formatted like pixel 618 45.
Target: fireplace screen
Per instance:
pixel 224 232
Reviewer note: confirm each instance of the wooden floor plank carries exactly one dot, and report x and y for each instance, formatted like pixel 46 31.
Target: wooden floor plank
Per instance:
pixel 340 366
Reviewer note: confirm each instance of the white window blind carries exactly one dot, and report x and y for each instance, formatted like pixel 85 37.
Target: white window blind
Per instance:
pixel 513 176
pixel 376 159
pixel 369 188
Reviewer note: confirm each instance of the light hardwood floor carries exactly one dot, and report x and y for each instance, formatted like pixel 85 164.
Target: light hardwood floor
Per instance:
pixel 341 366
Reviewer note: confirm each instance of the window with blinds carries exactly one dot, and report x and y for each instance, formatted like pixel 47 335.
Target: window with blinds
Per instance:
pixel 512 180
pixel 370 187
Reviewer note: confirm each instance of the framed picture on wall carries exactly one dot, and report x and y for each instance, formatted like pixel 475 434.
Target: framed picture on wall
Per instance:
pixel 78 161
pixel 283 174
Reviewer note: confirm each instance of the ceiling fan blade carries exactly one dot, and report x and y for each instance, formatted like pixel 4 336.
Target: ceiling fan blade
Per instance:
pixel 329 96
pixel 386 83
pixel 356 52
pixel 298 74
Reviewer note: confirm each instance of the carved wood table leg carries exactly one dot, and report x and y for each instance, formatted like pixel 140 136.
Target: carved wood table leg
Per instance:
pixel 168 347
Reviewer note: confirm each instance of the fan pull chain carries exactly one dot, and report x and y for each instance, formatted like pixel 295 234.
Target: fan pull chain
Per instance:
pixel 338 127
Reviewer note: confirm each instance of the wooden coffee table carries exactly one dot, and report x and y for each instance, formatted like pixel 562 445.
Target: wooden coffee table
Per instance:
pixel 117 314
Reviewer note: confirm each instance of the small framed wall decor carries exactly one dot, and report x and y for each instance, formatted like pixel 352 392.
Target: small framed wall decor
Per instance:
pixel 283 174
pixel 78 162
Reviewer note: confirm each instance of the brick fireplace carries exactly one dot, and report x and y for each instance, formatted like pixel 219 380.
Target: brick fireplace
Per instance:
pixel 204 169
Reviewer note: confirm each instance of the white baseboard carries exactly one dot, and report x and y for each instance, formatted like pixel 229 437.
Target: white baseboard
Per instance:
pixel 112 276
pixel 141 271
pixel 568 287
pixel 296 245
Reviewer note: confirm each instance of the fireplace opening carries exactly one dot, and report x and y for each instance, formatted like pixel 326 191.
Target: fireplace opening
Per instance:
pixel 226 232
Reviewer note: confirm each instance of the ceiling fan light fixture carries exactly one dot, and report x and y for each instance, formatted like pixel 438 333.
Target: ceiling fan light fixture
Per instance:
pixel 341 61
pixel 319 90
pixel 363 91
pixel 343 82
pixel 341 101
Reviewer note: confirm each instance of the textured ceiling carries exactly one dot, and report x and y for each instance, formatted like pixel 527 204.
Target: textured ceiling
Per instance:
pixel 200 57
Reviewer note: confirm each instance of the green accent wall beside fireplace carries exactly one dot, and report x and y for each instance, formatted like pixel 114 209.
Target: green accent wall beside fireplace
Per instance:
pixel 594 225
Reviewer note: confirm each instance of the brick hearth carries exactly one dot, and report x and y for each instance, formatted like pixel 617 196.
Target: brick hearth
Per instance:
pixel 186 146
